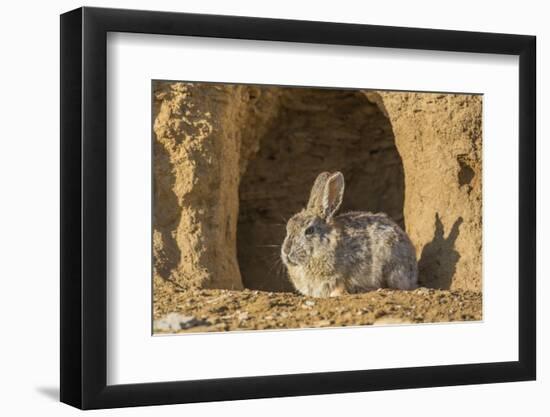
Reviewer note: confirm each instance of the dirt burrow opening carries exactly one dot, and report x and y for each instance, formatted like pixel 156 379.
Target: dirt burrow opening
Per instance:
pixel 314 130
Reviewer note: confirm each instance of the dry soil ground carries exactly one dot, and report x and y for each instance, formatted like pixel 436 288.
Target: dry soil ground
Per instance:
pixel 223 310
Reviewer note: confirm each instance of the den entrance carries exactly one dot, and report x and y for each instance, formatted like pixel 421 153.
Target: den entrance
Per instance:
pixel 315 130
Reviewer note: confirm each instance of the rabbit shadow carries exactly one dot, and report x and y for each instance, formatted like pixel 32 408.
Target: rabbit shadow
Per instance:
pixel 437 264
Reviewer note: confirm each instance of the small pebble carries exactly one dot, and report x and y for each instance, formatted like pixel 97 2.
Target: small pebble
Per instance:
pixel 379 314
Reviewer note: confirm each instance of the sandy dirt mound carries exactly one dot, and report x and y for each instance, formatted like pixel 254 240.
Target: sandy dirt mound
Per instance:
pixel 222 310
pixel 233 162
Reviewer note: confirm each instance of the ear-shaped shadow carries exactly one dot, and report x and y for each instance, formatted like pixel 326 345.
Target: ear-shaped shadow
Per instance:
pixel 437 264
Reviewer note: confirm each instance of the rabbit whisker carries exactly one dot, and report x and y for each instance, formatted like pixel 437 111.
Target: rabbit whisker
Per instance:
pixel 285 220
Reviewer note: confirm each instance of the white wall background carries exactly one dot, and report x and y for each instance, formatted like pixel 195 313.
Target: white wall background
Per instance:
pixel 29 225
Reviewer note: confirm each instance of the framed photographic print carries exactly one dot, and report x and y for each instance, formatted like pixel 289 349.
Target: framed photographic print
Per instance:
pixel 257 207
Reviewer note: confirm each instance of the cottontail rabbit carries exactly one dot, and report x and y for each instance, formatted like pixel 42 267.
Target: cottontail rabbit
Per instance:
pixel 328 255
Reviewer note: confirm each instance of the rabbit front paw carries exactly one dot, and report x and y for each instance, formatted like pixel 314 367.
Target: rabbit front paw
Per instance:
pixel 338 291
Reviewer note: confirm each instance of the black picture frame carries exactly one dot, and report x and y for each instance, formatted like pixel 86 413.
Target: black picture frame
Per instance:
pixel 84 207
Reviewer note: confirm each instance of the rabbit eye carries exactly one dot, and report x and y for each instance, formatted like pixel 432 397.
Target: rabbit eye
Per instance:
pixel 309 231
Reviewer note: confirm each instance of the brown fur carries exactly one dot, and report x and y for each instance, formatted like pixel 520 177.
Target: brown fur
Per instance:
pixel 328 255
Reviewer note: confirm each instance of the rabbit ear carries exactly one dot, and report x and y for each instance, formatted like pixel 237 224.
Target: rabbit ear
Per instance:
pixel 316 195
pixel 333 193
